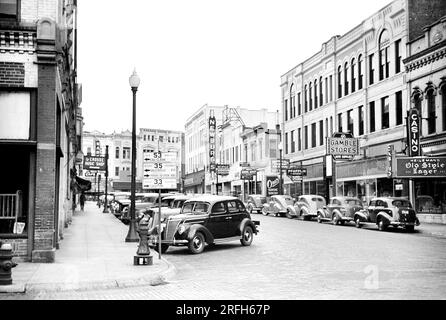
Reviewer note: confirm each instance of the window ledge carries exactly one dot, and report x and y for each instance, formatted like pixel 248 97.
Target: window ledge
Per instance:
pixel 13 236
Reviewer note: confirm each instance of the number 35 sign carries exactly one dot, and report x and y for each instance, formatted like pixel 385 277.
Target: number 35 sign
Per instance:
pixel 160 170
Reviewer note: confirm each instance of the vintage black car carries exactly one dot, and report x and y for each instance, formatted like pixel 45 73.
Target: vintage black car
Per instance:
pixel 206 220
pixel 385 212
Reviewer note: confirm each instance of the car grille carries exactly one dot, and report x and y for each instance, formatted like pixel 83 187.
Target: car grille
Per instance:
pixel 171 229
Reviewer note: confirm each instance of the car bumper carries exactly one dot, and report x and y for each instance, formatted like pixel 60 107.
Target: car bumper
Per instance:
pixel 403 224
pixel 347 219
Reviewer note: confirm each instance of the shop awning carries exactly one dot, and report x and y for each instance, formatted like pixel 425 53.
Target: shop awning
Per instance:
pixel 82 184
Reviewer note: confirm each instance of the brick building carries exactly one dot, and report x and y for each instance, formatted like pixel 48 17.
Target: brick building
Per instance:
pixel 356 83
pixel 40 124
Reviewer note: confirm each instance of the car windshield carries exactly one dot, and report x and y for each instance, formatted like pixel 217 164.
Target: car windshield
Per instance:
pixel 177 204
pixel 195 208
pixel 353 202
pixel 402 203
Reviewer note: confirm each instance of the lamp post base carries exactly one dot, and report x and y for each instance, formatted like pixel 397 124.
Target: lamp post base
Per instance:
pixel 132 235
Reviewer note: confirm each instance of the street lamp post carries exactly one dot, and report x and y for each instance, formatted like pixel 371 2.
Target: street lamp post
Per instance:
pixel 106 182
pixel 280 165
pixel 132 235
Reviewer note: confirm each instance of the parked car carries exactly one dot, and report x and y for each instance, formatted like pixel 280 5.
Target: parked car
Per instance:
pixel 175 204
pixel 340 210
pixel 206 220
pixel 120 201
pixel 387 211
pixel 255 203
pixel 280 205
pixel 144 201
pixel 307 206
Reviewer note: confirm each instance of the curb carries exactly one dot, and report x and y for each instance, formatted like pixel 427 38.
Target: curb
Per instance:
pixel 157 279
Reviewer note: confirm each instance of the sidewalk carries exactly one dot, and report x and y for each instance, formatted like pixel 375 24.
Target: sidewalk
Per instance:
pixel 92 255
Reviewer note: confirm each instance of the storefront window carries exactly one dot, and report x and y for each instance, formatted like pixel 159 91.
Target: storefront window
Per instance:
pixel 321 188
pixel 350 189
pixel 430 196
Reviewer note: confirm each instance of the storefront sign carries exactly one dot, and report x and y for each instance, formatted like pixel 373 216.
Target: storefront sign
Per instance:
pixel 223 169
pixel 94 163
pixel 413 132
pixel 296 172
pixel 212 143
pixel 343 146
pixel 421 167
pixel 272 186
pixel 275 164
pixel 248 174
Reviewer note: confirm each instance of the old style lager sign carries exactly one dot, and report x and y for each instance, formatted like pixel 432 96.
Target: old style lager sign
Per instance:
pixel 413 132
pixel 343 146
pixel 421 167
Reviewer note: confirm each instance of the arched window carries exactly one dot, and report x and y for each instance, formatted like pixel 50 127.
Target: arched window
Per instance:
pixel 360 74
pixel 417 98
pixel 443 102
pixel 384 42
pixel 353 75
pixel 339 82
pixel 310 95
pixel 346 78
pixel 431 112
pixel 321 95
pixel 292 102
pixel 315 94
pixel 306 99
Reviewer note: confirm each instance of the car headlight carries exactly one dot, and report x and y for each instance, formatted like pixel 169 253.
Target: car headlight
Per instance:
pixel 182 229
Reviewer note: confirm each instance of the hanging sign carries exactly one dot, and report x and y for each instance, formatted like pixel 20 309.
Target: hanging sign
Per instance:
pixel 413 132
pixel 212 143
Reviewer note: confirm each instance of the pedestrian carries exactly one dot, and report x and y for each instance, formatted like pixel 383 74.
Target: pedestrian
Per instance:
pixel 82 201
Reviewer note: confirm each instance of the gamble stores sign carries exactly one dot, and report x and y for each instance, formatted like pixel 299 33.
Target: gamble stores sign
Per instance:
pixel 343 146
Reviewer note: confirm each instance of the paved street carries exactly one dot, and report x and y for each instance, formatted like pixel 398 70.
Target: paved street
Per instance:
pixel 293 259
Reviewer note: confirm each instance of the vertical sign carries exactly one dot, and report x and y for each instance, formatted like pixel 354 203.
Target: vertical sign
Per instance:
pixel 97 148
pixel 212 142
pixel 390 152
pixel 413 132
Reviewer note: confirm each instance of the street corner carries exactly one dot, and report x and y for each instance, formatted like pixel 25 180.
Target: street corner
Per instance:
pixel 158 274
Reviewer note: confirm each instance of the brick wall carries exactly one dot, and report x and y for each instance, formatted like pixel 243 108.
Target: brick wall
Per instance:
pixel 423 13
pixel 19 247
pixel 12 74
pixel 44 221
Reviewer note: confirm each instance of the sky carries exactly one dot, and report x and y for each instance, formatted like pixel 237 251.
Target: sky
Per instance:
pixel 189 53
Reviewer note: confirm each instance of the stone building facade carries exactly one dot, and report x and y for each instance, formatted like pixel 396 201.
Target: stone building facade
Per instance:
pixel 426 80
pixel 356 83
pixel 40 124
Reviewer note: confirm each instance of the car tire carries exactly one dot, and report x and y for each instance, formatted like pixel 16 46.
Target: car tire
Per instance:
pixel 335 220
pixel 164 248
pixel 197 243
pixel 288 214
pixel 409 229
pixel 358 223
pixel 381 225
pixel 264 212
pixel 247 236
pixel 319 218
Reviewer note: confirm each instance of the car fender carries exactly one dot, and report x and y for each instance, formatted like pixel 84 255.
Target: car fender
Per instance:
pixel 209 238
pixel 336 212
pixel 304 210
pixel 361 216
pixel 292 210
pixel 247 222
pixel 385 216
pixel 324 213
